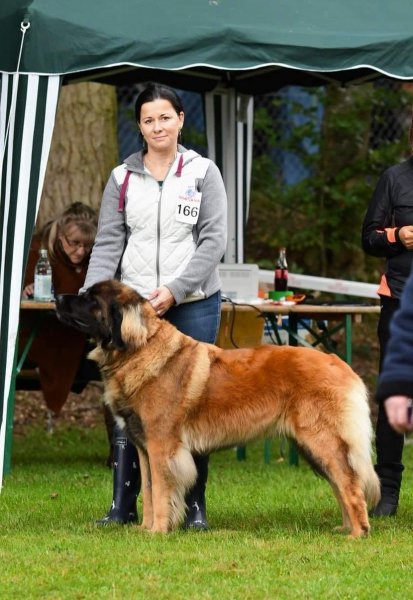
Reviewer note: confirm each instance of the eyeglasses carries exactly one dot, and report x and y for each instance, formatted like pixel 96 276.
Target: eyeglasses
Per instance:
pixel 76 245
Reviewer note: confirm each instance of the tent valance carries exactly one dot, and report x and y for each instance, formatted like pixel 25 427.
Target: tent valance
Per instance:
pixel 252 47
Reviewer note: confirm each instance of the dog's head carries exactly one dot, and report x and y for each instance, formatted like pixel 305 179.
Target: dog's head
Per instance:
pixel 111 313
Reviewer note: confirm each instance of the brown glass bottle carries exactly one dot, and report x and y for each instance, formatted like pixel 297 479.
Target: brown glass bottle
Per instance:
pixel 281 272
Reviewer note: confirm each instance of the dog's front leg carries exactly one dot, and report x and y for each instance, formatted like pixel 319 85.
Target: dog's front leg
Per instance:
pixel 173 472
pixel 163 487
pixel 147 518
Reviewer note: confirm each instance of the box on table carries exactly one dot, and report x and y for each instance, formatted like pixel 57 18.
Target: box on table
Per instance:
pixel 247 329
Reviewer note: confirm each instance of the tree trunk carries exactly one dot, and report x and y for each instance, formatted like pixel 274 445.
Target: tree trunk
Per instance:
pixel 84 148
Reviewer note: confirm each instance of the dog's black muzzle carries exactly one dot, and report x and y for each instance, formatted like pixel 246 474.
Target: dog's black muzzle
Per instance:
pixel 74 310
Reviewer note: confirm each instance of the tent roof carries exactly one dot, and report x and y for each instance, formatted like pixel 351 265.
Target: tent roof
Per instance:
pixel 253 45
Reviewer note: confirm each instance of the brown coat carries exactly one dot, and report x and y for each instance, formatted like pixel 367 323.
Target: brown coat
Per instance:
pixel 56 349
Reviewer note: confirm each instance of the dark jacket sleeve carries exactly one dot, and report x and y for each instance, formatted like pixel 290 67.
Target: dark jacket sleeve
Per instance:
pixel 396 377
pixel 379 218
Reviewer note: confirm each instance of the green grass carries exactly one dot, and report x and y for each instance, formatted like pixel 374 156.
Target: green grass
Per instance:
pixel 271 533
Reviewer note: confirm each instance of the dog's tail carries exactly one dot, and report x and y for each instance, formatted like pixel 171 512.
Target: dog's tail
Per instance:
pixel 358 433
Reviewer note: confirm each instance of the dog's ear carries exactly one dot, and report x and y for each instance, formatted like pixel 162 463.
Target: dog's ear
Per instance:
pixel 115 340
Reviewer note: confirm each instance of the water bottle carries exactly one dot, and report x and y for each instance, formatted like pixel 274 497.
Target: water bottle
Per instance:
pixel 281 272
pixel 43 278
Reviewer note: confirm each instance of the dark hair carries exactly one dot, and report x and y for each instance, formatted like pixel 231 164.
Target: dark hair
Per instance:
pixel 156 91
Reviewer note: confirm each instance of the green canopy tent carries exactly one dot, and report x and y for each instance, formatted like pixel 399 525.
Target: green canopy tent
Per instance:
pixel 228 50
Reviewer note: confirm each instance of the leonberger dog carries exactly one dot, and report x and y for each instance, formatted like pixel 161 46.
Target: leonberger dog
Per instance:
pixel 177 396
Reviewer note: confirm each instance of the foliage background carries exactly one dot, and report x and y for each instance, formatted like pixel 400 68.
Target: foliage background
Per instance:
pixel 363 130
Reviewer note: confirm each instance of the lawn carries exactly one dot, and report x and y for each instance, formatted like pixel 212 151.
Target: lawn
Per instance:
pixel 271 532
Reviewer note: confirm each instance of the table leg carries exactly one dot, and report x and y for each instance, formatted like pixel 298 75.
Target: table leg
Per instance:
pixel 292 330
pixel 17 366
pixel 272 320
pixel 348 332
pixel 292 340
pixel 267 451
pixel 241 453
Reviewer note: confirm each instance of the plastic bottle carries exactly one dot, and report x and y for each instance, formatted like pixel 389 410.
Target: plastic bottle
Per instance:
pixel 281 272
pixel 43 278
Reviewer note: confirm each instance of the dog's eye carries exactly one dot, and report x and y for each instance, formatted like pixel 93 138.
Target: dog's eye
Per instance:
pixel 91 301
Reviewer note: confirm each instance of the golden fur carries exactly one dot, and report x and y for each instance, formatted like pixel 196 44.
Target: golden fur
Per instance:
pixel 178 396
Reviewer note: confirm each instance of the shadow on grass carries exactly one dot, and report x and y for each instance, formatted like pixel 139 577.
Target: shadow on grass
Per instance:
pixel 283 519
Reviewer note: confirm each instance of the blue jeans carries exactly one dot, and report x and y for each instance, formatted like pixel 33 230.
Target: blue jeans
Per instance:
pixel 199 319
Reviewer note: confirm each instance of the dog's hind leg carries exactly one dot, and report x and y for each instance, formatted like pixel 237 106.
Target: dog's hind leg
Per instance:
pixel 345 482
pixel 147 518
pixel 346 525
pixel 352 501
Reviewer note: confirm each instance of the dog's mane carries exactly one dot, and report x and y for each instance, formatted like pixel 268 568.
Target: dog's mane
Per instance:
pixel 134 329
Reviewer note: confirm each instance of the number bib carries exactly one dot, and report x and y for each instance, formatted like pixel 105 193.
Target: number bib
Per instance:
pixel 188 205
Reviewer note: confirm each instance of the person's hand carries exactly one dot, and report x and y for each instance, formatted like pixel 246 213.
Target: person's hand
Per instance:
pixel 399 413
pixel 161 300
pixel 406 236
pixel 28 291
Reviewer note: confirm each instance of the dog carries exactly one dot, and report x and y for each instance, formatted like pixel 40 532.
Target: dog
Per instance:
pixel 177 396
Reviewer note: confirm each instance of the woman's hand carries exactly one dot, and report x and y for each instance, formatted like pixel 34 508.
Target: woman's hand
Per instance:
pixel 28 291
pixel 161 300
pixel 399 413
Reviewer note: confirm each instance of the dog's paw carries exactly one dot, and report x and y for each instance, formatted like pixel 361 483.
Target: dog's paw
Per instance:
pixel 341 529
pixel 359 533
pixel 160 528
pixel 145 526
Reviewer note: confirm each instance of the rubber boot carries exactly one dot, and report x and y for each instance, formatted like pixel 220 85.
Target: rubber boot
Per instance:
pixel 390 481
pixel 195 517
pixel 126 481
pixel 389 467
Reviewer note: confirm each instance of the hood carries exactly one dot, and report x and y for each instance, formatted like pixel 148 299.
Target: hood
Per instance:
pixel 134 162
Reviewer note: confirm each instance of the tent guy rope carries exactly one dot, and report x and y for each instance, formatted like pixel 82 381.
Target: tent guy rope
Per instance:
pixel 24 26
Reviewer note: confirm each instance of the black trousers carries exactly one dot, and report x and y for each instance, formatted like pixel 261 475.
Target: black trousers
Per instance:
pixel 389 444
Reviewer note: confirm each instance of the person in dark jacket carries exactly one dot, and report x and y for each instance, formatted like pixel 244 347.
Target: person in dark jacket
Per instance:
pixel 387 233
pixel 57 350
pixel 395 386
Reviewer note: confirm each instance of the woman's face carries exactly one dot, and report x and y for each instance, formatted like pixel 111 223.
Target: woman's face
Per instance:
pixel 74 244
pixel 160 125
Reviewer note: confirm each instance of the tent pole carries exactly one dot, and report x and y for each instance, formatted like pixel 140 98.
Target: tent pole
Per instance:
pixel 228 112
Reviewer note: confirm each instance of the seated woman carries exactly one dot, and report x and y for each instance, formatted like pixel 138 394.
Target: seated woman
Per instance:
pixel 57 351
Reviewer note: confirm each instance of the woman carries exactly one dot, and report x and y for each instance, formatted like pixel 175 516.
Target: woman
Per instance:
pixel 57 350
pixel 388 233
pixel 167 241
